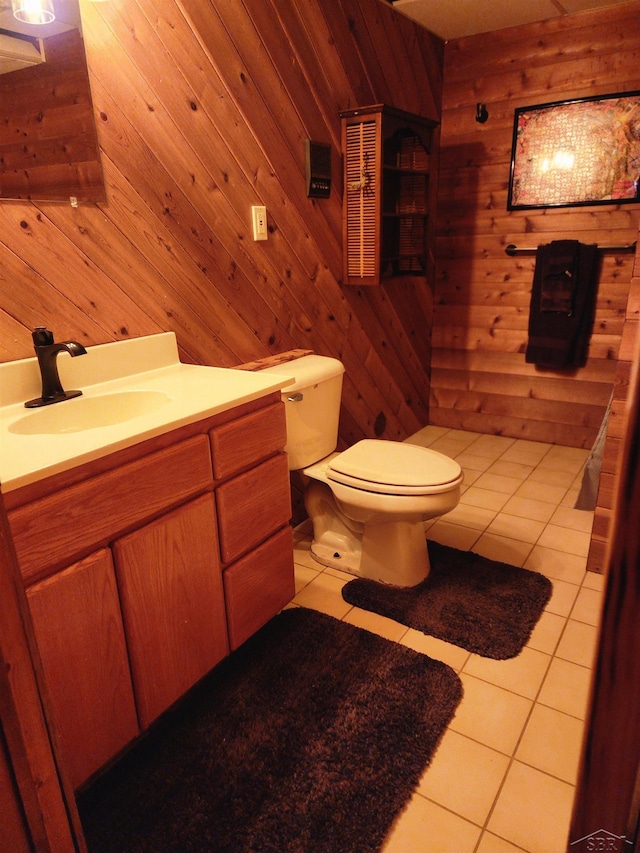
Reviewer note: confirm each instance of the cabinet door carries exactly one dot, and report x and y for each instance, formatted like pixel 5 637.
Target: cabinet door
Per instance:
pixel 173 604
pixel 78 628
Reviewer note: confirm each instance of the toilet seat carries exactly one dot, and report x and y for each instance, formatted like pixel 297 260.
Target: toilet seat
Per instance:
pixel 394 468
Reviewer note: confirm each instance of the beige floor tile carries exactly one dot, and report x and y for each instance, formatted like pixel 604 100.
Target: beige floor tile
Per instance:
pixel 437 649
pixel 565 458
pixel 522 675
pixel 302 555
pixel 425 827
pixel 453 535
pixel 541 492
pixel 575 519
pixel 376 624
pixel 448 446
pixel 503 549
pixel 491 715
pixel 427 435
pixel 547 632
pixel 492 445
pixel 473 462
pixel 527 508
pixel 499 483
pixel 562 598
pixel 593 580
pixel 566 688
pixel 552 477
pixel 562 539
pixel 588 606
pixel 552 742
pixel 557 565
pixel 533 810
pixel 514 527
pixel 484 498
pixel 492 844
pixel 578 643
pixel 470 476
pixel 531 452
pixel 504 468
pixel 324 594
pixel 483 770
pixel 303 575
pixel 471 516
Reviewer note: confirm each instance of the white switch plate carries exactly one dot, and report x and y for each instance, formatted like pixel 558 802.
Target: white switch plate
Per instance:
pixel 259 220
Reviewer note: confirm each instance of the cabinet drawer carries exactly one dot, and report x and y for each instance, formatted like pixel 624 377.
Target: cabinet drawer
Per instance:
pixel 252 506
pixel 258 586
pixel 60 528
pixel 242 443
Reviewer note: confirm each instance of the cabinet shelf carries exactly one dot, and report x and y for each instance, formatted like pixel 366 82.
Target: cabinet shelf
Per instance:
pixel 388 196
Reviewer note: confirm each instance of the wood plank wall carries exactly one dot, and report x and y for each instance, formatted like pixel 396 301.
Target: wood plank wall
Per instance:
pixel 479 378
pixel 48 144
pixel 203 109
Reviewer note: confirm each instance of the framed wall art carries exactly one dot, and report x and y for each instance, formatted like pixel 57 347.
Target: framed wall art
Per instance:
pixel 580 152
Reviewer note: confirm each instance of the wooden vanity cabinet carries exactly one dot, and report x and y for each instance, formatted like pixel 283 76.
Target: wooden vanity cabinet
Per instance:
pixel 144 568
pixel 78 628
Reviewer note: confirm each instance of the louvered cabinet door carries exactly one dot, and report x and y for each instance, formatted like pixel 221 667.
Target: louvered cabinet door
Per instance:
pixel 361 144
pixel 388 196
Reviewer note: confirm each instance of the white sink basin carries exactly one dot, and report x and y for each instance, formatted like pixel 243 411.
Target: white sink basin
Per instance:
pixel 85 413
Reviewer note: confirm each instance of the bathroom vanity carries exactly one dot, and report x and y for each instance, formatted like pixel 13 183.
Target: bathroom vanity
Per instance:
pixel 153 557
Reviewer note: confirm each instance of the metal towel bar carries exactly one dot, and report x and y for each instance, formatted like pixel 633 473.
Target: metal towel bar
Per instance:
pixel 512 249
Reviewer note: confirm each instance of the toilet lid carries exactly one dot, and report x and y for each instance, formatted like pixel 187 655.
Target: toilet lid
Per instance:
pixel 394 467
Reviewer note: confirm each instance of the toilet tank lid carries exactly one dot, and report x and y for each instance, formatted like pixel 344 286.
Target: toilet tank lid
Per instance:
pixel 308 370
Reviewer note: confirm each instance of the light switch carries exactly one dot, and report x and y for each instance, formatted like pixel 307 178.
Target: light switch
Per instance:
pixel 259 219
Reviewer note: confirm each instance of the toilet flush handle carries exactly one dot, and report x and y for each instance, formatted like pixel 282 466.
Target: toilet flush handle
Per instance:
pixel 295 398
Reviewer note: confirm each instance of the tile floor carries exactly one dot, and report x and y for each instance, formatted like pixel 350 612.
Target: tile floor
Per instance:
pixel 503 777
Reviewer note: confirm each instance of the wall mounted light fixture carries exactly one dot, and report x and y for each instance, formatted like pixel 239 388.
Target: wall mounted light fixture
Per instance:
pixel 33 11
pixel 481 113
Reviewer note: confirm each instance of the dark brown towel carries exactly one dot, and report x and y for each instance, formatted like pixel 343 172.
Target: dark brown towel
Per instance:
pixel 562 304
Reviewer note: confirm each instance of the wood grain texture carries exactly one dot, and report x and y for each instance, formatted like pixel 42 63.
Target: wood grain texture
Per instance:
pixel 202 111
pixel 480 380
pixel 78 627
pixel 172 604
pixel 64 526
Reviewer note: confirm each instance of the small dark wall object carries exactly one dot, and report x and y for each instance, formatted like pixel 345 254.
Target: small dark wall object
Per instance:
pixel 318 164
pixel 481 113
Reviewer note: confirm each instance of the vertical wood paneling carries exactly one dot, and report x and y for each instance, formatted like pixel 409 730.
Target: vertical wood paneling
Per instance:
pixel 202 111
pixel 480 380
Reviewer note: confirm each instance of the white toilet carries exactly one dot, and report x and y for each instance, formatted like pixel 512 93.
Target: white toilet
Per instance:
pixel 368 503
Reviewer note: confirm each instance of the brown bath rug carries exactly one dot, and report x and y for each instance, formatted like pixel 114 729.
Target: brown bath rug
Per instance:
pixel 310 738
pixel 486 607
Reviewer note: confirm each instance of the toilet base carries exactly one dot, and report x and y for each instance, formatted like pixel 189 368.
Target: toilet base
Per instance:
pixel 393 552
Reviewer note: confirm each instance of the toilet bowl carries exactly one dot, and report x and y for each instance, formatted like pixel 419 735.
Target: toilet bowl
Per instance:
pixel 368 503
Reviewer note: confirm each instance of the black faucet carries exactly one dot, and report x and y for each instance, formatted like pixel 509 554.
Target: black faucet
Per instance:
pixel 47 352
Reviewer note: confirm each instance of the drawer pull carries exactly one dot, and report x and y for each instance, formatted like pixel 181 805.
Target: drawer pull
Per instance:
pixel 296 398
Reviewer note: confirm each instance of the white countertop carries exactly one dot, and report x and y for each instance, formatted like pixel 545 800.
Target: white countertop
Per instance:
pixel 177 394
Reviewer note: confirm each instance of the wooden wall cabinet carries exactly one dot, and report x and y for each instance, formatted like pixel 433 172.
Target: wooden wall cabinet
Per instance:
pixel 143 574
pixel 388 197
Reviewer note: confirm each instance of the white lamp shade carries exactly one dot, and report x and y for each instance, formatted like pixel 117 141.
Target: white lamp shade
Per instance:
pixel 33 11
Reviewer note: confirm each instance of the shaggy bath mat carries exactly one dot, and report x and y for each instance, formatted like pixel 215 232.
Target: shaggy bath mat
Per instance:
pixel 486 607
pixel 309 738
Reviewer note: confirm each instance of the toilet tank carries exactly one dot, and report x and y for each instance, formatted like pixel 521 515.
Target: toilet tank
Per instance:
pixel 312 407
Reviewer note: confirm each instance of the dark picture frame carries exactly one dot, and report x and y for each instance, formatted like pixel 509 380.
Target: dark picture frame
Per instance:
pixel 575 153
